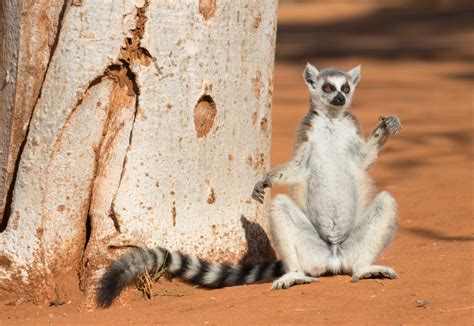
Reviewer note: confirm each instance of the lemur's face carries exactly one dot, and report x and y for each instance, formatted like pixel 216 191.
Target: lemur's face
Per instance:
pixel 331 88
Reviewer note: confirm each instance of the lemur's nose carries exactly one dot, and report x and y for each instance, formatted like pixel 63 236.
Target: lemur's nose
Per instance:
pixel 339 99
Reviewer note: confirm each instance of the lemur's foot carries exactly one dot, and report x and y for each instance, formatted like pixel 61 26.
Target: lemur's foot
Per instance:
pixel 259 190
pixel 374 271
pixel 392 123
pixel 292 278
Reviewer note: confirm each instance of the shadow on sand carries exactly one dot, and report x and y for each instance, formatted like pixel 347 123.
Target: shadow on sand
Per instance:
pixel 435 235
pixel 412 32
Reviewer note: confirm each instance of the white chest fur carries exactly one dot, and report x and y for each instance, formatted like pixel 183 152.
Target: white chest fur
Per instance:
pixel 329 133
pixel 332 194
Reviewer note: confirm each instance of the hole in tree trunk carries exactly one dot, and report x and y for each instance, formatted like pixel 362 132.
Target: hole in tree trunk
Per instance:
pixel 204 115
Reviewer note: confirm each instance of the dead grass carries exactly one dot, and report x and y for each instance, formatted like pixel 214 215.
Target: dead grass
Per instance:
pixel 145 282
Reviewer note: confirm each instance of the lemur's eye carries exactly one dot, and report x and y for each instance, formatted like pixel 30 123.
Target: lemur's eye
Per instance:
pixel 327 88
pixel 345 88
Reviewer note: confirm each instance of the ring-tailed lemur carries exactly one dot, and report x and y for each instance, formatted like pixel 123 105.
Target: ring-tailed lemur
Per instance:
pixel 331 223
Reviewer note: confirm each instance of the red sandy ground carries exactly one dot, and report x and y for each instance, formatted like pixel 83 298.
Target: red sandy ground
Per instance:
pixel 424 77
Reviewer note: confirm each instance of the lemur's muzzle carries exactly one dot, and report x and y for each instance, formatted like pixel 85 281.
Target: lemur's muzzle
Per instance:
pixel 339 99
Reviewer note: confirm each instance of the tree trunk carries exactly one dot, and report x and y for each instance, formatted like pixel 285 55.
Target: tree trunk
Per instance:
pixel 131 123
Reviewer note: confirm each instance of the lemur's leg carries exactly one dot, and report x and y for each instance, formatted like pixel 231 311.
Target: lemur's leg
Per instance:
pixel 378 137
pixel 302 250
pixel 373 231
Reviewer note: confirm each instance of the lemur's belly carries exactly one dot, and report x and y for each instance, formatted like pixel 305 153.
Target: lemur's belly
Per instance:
pixel 332 195
pixel 333 182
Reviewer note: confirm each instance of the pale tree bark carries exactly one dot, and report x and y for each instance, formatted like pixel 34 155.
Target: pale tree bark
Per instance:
pixel 131 123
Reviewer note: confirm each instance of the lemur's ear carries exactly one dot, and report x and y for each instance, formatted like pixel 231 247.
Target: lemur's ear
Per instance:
pixel 354 75
pixel 310 74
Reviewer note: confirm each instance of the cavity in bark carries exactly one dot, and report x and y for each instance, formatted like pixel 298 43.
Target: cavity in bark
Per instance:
pixel 204 114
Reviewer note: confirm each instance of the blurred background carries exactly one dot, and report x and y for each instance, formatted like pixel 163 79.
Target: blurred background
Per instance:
pixel 389 30
pixel 417 63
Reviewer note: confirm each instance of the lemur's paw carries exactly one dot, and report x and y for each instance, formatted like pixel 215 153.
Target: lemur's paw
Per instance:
pixel 292 278
pixel 374 271
pixel 259 191
pixel 392 123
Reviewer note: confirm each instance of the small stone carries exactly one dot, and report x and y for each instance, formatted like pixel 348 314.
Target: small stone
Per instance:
pixel 56 303
pixel 421 303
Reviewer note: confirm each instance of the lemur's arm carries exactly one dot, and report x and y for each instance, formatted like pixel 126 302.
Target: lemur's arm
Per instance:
pixel 284 174
pixel 388 126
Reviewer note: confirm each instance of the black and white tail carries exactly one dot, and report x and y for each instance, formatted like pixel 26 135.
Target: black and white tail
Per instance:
pixel 130 266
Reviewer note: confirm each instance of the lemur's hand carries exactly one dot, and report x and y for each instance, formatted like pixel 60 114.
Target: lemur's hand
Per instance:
pixel 392 123
pixel 259 190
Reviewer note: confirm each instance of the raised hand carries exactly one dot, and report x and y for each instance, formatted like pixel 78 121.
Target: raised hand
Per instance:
pixel 392 123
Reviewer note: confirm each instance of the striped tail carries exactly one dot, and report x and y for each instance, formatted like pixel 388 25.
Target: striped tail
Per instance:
pixel 131 266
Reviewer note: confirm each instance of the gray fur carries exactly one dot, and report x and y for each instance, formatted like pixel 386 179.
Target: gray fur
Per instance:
pixel 331 223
